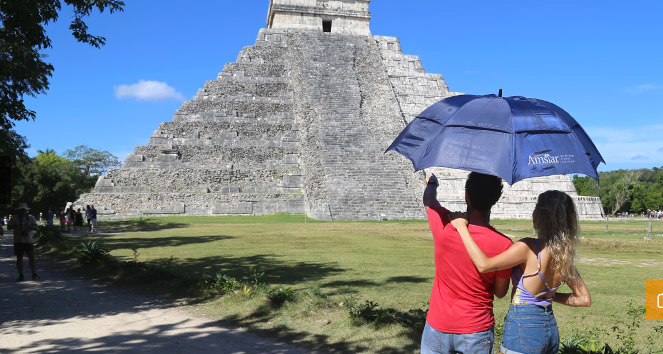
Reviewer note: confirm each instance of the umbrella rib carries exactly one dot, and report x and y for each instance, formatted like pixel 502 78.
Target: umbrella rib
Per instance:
pixel 477 128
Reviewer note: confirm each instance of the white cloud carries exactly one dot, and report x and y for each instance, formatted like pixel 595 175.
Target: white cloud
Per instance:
pixel 626 145
pixel 643 88
pixel 147 90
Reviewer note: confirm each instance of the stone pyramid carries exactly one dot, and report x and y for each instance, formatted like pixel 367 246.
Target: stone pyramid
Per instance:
pixel 298 124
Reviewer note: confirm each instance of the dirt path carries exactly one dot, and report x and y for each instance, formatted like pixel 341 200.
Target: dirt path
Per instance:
pixel 62 313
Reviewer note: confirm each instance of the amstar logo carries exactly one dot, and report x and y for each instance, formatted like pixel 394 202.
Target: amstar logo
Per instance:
pixel 543 159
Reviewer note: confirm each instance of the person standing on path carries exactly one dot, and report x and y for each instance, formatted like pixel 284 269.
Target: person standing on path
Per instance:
pixel 88 216
pixel 460 315
pixel 93 218
pixel 49 217
pixel 78 221
pixel 24 226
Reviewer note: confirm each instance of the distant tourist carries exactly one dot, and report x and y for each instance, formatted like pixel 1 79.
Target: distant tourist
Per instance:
pixel 49 217
pixel 460 314
pixel 88 216
pixel 69 216
pixel 540 266
pixel 78 220
pixel 62 219
pixel 24 226
pixel 93 218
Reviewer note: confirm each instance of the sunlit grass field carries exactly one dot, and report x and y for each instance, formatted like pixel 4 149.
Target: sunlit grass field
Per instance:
pixel 390 263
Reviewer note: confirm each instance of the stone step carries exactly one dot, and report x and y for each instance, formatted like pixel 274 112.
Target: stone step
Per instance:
pixel 203 180
pixel 204 98
pixel 131 162
pixel 239 117
pixel 244 89
pixel 225 133
pixel 215 154
pixel 230 139
pixel 240 70
pixel 261 55
pixel 122 205
pixel 237 190
pixel 232 107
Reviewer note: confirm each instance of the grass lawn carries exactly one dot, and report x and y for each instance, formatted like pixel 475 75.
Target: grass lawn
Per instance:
pixel 390 263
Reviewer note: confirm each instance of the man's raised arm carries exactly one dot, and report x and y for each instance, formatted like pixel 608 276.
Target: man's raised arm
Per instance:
pixel 430 193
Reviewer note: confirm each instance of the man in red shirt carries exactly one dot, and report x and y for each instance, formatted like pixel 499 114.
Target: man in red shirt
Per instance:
pixel 460 315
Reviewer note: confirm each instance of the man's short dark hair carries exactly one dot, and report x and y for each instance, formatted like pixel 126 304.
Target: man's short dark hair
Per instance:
pixel 483 190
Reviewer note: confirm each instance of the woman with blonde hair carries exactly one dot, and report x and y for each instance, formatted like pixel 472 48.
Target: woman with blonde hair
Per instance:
pixel 540 266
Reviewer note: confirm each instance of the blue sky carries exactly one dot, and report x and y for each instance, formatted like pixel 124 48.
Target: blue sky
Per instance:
pixel 600 61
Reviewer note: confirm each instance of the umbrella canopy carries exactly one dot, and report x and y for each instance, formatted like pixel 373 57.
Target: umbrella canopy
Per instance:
pixel 510 137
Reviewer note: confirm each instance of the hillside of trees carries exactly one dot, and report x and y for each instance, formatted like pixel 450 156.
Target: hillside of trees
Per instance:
pixel 48 180
pixel 632 191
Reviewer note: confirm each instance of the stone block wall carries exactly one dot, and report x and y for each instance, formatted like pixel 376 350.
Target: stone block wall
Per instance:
pixel 231 150
pixel 347 16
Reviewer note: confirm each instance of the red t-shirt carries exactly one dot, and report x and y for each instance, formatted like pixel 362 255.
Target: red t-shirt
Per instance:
pixel 462 298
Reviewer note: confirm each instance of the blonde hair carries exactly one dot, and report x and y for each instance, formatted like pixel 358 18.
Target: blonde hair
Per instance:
pixel 556 222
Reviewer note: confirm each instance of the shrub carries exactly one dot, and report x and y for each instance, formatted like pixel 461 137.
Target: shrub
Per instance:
pixel 223 283
pixel 255 278
pixel 583 346
pixel 91 252
pixel 621 335
pixel 370 312
pixel 315 298
pixel 278 296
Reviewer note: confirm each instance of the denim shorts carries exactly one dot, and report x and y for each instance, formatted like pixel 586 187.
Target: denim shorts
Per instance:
pixel 436 342
pixel 530 329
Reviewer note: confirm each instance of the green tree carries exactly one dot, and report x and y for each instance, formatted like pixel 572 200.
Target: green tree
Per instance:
pixel 623 188
pixel 90 161
pixel 586 186
pixel 48 181
pixel 23 70
pixel 12 152
pixel 12 144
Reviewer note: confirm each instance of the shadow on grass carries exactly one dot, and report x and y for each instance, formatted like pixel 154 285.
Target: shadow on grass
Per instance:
pixel 139 225
pixel 409 338
pixel 275 270
pixel 150 242
pixel 408 279
pixel 353 286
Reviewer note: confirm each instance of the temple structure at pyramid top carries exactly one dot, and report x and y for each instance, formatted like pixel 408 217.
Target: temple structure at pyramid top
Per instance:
pixel 337 16
pixel 299 124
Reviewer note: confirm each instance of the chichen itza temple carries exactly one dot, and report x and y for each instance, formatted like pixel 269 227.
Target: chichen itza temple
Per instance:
pixel 299 124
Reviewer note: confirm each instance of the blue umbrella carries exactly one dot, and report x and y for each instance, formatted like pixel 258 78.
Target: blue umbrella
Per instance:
pixel 510 137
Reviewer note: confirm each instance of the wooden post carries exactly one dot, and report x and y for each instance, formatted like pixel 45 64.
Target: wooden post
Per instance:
pixel 606 222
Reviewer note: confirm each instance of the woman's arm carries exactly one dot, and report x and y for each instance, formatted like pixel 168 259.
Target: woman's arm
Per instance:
pixel 516 254
pixel 580 296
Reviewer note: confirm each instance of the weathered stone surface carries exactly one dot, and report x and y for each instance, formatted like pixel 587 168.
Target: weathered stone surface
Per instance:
pixel 299 124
